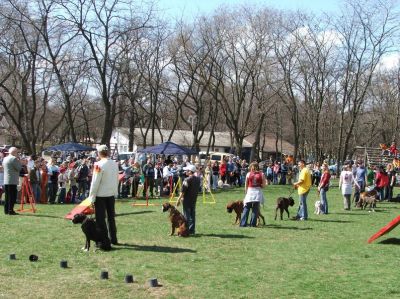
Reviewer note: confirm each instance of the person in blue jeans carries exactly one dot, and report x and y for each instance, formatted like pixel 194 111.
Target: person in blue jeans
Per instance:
pixel 303 186
pixel 360 175
pixel 323 187
pixel 255 181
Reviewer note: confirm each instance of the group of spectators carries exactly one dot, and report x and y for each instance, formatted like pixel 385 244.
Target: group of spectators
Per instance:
pixel 67 179
pixel 279 173
pixel 381 178
pixel 51 181
pixel 164 175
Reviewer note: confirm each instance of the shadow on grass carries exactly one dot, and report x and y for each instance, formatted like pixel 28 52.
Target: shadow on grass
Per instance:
pixel 328 220
pixel 357 214
pixel 133 213
pixel 391 241
pixel 277 226
pixel 40 215
pixel 223 236
pixel 153 248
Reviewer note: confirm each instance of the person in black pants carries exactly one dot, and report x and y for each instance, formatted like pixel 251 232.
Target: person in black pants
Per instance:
pixel 148 172
pixel 188 197
pixel 103 189
pixel 12 167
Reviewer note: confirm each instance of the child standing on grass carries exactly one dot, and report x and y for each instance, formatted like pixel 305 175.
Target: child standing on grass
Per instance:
pixel 346 182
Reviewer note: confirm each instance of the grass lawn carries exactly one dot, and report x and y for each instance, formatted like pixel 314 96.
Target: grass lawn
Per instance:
pixel 324 257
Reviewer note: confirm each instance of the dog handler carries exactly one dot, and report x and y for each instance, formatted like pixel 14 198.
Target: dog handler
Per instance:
pixel 255 181
pixel 188 196
pixel 103 190
pixel 303 186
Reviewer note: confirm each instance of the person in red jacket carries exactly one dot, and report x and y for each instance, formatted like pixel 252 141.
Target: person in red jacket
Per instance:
pixel 381 182
pixel 393 149
pixel 323 187
pixel 222 171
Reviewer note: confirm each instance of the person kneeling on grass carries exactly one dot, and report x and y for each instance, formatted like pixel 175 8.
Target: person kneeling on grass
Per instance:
pixel 255 181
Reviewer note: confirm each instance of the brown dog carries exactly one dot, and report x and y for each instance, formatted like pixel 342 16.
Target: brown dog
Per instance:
pixel 282 204
pixel 364 196
pixel 238 207
pixel 368 198
pixel 177 220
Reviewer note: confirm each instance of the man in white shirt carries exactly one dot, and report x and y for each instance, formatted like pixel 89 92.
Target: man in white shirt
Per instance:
pixel 103 190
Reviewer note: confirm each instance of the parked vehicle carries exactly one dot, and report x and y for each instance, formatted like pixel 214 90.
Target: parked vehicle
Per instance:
pixel 217 156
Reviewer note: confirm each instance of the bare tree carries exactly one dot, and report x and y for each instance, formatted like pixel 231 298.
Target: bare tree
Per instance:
pixel 25 79
pixel 366 30
pixel 102 25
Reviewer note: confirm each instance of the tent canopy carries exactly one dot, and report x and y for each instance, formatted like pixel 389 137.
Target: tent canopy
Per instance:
pixel 70 147
pixel 168 148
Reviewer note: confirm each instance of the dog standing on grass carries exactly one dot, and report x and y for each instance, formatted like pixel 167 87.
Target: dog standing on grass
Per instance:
pixel 282 204
pixel 177 220
pixel 368 198
pixel 92 232
pixel 238 207
pixel 318 207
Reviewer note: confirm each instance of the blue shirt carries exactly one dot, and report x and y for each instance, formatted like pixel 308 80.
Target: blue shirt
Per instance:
pixel 360 174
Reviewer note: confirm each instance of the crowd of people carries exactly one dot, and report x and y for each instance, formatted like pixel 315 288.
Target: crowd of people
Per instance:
pixel 68 179
pixel 53 180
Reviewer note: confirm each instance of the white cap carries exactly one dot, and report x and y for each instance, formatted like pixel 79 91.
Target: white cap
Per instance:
pixel 190 167
pixel 102 148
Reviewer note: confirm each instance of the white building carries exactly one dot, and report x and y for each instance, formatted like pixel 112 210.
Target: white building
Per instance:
pixel 222 143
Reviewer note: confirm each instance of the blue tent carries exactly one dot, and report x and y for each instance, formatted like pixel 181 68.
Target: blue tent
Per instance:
pixel 168 148
pixel 70 147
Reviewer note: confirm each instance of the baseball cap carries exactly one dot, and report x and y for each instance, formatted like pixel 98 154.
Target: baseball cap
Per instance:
pixel 190 167
pixel 102 148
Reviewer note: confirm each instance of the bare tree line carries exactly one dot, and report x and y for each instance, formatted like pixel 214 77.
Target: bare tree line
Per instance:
pixel 75 69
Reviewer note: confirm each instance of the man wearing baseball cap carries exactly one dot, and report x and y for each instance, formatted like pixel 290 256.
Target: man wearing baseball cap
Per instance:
pixel 188 196
pixel 103 190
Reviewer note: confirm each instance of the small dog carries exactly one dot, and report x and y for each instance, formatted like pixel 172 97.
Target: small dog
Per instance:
pixel 318 207
pixel 238 207
pixel 177 220
pixel 282 204
pixel 92 232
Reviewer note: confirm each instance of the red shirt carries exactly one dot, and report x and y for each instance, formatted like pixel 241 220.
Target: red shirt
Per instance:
pixel 222 169
pixel 381 180
pixel 326 176
pixel 393 149
pixel 254 179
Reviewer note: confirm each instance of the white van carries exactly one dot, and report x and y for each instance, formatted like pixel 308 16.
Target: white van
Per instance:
pixel 217 156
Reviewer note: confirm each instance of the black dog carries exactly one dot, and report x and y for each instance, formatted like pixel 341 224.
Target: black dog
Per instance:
pixel 283 203
pixel 92 232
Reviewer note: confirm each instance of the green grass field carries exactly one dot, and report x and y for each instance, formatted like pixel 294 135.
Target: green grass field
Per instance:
pixel 325 257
